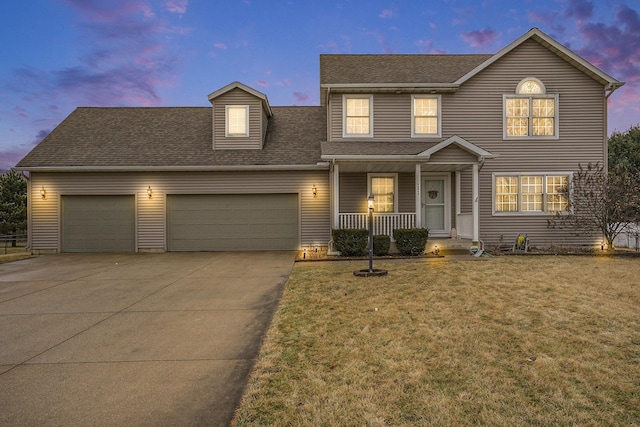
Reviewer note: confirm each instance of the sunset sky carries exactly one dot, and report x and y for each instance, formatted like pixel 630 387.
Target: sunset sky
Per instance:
pixel 57 55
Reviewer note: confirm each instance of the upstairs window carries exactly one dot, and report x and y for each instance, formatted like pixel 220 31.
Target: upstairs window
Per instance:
pixel 531 112
pixel 383 188
pixel 237 120
pixel 357 115
pixel 529 194
pixel 425 118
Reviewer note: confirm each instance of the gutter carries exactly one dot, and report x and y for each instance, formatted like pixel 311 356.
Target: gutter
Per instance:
pixel 375 157
pixel 239 168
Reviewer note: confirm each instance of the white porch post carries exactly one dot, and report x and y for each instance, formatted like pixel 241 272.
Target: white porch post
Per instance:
pixel 476 213
pixel 335 186
pixel 418 195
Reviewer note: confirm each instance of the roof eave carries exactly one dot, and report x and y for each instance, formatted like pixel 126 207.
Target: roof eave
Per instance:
pixel 391 87
pixel 201 168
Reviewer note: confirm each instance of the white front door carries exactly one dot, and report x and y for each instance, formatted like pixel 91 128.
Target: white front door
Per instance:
pixel 435 205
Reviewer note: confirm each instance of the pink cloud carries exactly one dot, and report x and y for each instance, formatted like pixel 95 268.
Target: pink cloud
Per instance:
pixel 480 38
pixel 386 14
pixel 301 97
pixel 220 45
pixel 262 83
pixel 177 6
pixel 427 46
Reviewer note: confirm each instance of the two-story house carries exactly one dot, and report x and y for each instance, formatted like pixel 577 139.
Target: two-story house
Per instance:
pixel 472 146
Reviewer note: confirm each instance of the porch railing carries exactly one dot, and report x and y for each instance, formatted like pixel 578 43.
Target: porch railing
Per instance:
pixel 383 223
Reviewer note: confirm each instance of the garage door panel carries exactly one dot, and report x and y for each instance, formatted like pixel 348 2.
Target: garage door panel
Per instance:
pixel 232 222
pixel 98 223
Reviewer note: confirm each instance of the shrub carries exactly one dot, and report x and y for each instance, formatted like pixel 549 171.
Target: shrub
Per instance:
pixel 350 241
pixel 381 244
pixel 411 241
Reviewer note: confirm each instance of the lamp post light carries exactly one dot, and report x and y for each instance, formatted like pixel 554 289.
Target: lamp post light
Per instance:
pixel 370 271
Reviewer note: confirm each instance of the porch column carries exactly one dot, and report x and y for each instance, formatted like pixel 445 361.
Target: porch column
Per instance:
pixel 475 210
pixel 418 197
pixel 335 187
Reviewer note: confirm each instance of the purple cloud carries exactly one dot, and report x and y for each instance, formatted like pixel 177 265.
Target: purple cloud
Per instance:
pixel 427 46
pixel 262 83
pixel 579 9
pixel 480 38
pixel 386 14
pixel 301 97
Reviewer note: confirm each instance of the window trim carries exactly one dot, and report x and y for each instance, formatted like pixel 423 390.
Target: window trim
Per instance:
pixel 226 121
pixel 519 212
pixel 438 117
pixel 345 134
pixel 395 187
pixel 530 96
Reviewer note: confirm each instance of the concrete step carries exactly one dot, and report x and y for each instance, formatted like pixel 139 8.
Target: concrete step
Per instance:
pixel 447 246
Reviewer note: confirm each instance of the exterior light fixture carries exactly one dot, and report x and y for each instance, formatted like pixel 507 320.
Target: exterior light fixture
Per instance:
pixel 314 190
pixel 436 250
pixel 43 192
pixel 150 192
pixel 370 202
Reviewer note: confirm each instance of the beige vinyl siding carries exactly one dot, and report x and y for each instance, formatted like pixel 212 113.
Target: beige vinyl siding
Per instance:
pixel 475 113
pixel 257 122
pixel 353 192
pixel 151 213
pixel 406 195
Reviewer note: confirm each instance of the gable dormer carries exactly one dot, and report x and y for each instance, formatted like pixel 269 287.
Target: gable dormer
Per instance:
pixel 240 117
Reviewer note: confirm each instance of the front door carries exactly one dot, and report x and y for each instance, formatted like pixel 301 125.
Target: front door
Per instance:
pixel 435 205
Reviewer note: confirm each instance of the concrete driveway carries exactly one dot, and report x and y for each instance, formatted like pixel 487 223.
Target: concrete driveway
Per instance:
pixel 133 339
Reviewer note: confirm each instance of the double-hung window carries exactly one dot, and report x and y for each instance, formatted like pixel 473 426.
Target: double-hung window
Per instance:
pixel 530 194
pixel 531 112
pixel 358 115
pixel 425 118
pixel 384 190
pixel 237 120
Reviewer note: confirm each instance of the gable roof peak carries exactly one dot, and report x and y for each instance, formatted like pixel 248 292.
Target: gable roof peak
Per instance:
pixel 555 47
pixel 242 86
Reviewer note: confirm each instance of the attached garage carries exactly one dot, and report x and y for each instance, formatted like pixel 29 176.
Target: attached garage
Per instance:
pixel 98 223
pixel 232 222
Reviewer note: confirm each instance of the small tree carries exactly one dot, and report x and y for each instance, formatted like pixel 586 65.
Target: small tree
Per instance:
pixel 600 202
pixel 624 148
pixel 13 204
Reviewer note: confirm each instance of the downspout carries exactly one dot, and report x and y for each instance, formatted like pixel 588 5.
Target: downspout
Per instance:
pixel 609 89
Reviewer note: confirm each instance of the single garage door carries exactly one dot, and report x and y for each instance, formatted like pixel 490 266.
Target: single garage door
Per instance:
pixel 98 223
pixel 232 222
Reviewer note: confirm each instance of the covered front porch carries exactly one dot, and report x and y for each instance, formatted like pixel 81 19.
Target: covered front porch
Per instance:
pixel 436 188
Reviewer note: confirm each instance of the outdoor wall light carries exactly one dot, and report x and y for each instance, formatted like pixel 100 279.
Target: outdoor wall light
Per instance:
pixel 43 192
pixel 149 191
pixel 314 190
pixel 370 201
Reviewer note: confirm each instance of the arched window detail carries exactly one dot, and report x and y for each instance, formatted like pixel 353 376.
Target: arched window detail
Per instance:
pixel 531 112
pixel 530 85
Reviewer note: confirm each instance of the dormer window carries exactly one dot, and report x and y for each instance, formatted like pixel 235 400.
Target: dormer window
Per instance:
pixel 531 112
pixel 237 120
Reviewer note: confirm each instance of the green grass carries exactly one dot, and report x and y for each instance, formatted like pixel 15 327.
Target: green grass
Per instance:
pixel 503 342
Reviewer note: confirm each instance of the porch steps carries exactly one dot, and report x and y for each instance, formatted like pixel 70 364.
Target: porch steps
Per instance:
pixel 448 246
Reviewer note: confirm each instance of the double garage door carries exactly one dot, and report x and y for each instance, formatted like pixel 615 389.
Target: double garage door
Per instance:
pixel 229 222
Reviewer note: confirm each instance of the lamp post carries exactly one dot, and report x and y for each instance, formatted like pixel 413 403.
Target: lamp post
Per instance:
pixel 370 272
pixel 370 204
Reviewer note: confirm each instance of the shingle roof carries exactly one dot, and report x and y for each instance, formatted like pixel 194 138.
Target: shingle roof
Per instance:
pixel 172 136
pixel 355 69
pixel 374 148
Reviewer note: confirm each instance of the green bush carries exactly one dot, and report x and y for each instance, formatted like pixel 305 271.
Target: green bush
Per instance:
pixel 381 244
pixel 350 241
pixel 411 241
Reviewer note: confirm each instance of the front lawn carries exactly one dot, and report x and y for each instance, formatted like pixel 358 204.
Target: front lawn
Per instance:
pixel 502 342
